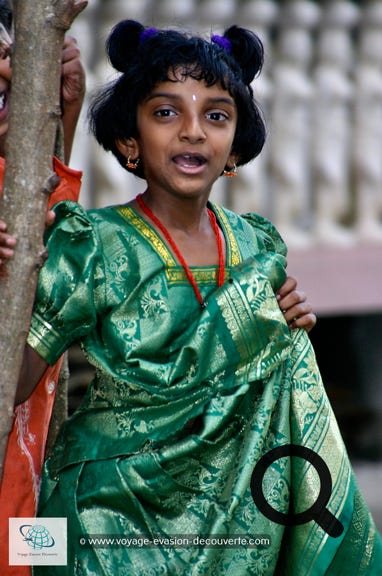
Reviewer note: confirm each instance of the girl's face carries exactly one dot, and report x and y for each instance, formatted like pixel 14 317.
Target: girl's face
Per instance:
pixel 185 138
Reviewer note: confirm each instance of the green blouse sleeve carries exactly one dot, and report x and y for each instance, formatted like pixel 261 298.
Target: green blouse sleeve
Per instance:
pixel 65 304
pixel 266 233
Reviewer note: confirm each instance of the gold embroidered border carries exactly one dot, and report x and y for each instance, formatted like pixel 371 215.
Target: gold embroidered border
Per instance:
pixel 233 252
pixel 174 272
pixel 149 233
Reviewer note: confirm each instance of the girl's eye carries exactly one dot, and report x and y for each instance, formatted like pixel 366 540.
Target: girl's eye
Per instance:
pixel 217 116
pixel 164 113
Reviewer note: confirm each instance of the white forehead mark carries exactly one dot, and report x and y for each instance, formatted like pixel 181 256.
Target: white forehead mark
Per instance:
pixel 194 97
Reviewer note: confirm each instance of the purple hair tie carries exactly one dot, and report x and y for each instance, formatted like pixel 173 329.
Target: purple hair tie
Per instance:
pixel 148 33
pixel 222 41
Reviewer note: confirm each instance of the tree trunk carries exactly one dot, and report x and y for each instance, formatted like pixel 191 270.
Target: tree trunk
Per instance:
pixel 40 26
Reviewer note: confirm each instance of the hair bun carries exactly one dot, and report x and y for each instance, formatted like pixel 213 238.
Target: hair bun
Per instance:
pixel 123 42
pixel 247 49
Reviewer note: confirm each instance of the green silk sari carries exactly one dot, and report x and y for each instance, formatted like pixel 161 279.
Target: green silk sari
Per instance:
pixel 184 404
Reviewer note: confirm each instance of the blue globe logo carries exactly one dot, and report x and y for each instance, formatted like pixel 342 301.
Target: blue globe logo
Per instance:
pixel 37 537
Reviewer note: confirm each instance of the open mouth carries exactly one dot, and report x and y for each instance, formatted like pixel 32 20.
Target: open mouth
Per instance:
pixel 189 160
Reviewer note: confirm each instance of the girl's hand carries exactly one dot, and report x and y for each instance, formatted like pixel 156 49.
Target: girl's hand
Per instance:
pixel 7 243
pixel 297 311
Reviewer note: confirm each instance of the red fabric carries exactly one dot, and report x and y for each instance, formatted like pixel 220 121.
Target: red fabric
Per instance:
pixel 26 444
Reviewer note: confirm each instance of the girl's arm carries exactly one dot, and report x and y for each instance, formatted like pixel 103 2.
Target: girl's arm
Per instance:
pixel 72 92
pixel 32 370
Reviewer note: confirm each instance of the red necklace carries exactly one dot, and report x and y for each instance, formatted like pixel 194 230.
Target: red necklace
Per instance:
pixel 166 234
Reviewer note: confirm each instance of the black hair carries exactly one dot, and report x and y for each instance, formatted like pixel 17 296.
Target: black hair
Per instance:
pixel 6 15
pixel 147 56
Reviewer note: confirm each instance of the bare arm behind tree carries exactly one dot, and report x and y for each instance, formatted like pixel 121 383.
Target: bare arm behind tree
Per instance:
pixel 32 370
pixel 72 92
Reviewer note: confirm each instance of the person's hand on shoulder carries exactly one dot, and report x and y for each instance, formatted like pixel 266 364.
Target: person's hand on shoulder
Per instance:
pixel 298 313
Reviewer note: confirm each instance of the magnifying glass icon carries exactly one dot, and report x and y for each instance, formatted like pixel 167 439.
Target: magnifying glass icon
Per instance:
pixel 317 511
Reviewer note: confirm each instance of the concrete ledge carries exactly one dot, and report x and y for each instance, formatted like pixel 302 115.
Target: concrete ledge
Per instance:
pixel 340 280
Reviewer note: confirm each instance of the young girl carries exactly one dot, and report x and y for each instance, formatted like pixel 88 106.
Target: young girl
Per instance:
pixel 198 377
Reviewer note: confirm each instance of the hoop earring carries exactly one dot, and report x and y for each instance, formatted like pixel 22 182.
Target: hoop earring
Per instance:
pixel 231 172
pixel 132 164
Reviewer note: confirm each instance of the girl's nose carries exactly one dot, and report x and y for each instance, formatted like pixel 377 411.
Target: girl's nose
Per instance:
pixel 192 130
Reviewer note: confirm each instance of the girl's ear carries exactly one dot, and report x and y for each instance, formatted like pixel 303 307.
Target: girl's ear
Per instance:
pixel 128 148
pixel 232 159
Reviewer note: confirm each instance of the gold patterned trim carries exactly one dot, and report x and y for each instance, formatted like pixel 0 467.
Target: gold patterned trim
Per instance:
pixel 149 233
pixel 174 272
pixel 233 252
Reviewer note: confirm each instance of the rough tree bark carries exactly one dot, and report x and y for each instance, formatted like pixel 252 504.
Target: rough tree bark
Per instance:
pixel 40 27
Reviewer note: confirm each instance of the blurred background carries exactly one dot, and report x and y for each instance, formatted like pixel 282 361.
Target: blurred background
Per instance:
pixel 319 178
